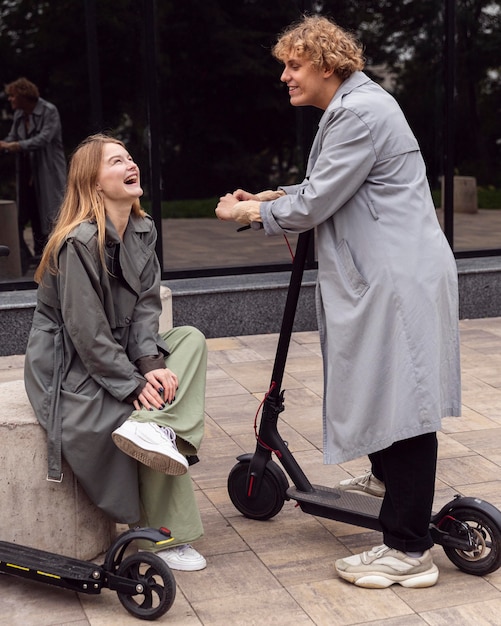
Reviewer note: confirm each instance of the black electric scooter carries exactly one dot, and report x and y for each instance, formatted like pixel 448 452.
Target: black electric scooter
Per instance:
pixel 469 529
pixel 143 581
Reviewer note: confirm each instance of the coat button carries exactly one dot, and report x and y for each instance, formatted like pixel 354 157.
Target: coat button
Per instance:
pixel 127 320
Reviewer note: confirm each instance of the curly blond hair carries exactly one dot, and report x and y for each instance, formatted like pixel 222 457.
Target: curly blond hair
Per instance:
pixel 324 43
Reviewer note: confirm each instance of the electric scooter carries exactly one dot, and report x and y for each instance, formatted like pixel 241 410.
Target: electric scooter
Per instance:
pixel 143 581
pixel 469 529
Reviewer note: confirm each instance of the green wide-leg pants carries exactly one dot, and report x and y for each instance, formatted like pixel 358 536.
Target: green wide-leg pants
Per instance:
pixel 170 501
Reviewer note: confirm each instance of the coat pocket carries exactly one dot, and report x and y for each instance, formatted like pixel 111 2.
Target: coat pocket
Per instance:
pixel 355 279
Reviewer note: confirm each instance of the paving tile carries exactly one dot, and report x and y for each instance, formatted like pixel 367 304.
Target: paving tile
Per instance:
pixel 227 575
pixel 486 613
pixel 335 602
pixel 471 470
pixel 280 571
pixel 28 603
pixel 266 608
pixel 469 420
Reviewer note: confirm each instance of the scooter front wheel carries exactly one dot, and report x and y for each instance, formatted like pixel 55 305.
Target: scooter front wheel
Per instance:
pixel 156 585
pixel 485 534
pixel 271 494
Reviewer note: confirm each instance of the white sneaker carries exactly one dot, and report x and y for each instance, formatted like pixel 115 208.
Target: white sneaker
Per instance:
pixel 184 558
pixel 152 445
pixel 367 483
pixel 383 566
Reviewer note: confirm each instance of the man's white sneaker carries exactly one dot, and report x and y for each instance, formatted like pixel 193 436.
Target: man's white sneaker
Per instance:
pixel 184 558
pixel 152 445
pixel 383 566
pixel 367 483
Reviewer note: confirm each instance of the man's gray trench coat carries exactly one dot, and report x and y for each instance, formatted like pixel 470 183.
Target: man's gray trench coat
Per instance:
pixel 387 296
pixel 117 326
pixel 44 144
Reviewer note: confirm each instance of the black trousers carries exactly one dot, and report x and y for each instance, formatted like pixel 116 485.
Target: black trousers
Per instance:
pixel 28 212
pixel 408 470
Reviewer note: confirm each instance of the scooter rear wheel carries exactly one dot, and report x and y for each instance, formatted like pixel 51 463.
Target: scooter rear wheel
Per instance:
pixel 270 498
pixel 156 585
pixel 486 534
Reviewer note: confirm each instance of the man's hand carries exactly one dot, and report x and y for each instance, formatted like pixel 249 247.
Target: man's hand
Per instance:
pixel 10 146
pixel 224 209
pixel 230 209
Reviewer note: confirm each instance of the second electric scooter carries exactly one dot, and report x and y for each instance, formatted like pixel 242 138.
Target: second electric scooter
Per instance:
pixel 469 529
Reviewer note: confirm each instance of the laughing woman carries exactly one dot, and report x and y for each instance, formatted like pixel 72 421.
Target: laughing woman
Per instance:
pixel 124 405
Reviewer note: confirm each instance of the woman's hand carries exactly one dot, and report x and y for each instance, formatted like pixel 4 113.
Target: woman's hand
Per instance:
pixel 161 387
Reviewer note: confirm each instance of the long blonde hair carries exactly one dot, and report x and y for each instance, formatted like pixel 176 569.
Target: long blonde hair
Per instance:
pixel 82 202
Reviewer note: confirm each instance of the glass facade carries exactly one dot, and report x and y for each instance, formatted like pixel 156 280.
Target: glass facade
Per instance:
pixel 193 90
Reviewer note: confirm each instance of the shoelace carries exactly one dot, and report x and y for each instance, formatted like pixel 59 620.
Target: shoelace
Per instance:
pixel 169 434
pixel 379 550
pixel 365 478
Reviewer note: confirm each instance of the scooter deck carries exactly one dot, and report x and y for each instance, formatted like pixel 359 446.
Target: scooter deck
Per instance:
pixel 352 507
pixel 54 569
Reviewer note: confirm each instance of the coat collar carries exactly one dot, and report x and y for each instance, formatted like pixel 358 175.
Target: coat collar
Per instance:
pixel 346 87
pixel 133 253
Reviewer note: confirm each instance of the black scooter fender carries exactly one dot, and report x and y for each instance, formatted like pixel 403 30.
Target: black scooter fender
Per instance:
pixel 439 520
pixel 158 536
pixel 472 503
pixel 257 465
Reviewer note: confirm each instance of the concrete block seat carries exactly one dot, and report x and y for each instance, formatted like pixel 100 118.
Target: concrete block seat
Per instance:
pixel 51 516
pixel 57 517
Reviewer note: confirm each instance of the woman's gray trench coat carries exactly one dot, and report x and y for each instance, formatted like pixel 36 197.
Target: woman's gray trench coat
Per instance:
pixel 387 296
pixel 88 320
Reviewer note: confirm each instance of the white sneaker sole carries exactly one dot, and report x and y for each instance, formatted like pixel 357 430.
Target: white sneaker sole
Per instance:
pixel 158 461
pixel 381 581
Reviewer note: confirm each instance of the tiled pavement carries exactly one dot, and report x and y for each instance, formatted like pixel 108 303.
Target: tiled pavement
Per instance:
pixel 281 571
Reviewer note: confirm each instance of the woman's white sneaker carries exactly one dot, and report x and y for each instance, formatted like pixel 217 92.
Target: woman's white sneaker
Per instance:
pixel 152 445
pixel 184 558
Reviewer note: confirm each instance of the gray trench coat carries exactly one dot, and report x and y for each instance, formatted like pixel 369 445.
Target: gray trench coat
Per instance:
pixel 387 295
pixel 48 163
pixel 89 327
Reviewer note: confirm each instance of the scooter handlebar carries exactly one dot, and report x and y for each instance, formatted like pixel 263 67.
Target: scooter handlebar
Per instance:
pixel 253 225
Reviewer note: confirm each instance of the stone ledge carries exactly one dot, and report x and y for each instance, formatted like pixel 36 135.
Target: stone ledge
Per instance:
pixel 253 304
pixel 51 516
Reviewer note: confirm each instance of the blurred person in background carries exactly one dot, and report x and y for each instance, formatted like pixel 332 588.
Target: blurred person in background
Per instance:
pixel 35 138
